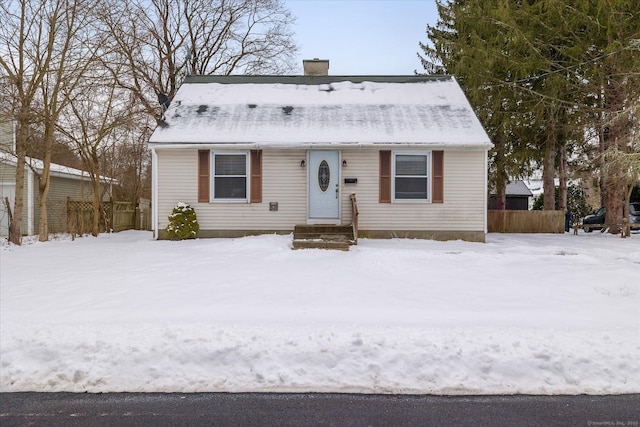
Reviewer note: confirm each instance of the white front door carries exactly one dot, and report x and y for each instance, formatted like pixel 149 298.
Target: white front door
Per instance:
pixel 324 185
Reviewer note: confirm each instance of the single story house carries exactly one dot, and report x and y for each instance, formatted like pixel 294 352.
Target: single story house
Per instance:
pixel 518 197
pixel 262 154
pixel 65 182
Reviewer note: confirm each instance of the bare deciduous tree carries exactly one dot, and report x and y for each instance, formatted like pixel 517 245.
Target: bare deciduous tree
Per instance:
pixel 157 42
pixel 45 46
pixel 55 56
pixel 74 42
pixel 130 162
pixel 24 60
pixel 98 111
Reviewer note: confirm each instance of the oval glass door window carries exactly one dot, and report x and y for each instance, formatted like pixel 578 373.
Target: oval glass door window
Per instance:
pixel 324 175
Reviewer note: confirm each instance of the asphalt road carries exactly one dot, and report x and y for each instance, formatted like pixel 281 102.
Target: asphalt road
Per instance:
pixel 255 409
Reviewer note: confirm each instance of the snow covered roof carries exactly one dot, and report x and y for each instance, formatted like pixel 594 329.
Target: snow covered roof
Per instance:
pixel 54 168
pixel 321 110
pixel 517 188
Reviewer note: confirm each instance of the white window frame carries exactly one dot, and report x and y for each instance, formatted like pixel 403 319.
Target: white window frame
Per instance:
pixel 247 177
pixel 393 176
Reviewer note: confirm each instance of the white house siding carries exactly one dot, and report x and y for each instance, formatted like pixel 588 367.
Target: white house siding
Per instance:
pixel 8 184
pixel 7 189
pixel 283 181
pixel 464 195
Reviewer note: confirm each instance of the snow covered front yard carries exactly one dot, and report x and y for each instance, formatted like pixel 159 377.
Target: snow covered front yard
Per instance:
pixel 535 314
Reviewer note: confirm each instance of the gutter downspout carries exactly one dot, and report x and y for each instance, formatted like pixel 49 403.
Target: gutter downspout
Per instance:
pixel 154 192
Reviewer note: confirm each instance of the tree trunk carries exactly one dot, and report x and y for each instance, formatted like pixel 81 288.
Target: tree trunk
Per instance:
pixel 95 181
pixel 96 208
pixel 549 163
pixel 614 196
pixel 562 178
pixel 43 189
pixel 602 182
pixel 15 226
pixel 501 177
pixel 614 185
pixel 548 175
pixel 501 195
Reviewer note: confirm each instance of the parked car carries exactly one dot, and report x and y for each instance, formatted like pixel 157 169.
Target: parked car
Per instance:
pixel 595 220
pixel 634 215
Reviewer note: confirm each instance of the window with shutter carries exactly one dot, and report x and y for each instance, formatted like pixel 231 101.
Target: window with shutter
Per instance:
pixel 230 176
pixel 437 177
pixel 385 177
pixel 226 176
pixel 256 176
pixel 204 157
pixel 411 176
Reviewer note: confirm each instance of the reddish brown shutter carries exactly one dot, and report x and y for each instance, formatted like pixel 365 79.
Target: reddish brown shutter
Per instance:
pixel 256 176
pixel 385 176
pixel 203 175
pixel 437 176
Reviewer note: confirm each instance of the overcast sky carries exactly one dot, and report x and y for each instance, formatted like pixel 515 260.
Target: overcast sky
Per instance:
pixel 370 37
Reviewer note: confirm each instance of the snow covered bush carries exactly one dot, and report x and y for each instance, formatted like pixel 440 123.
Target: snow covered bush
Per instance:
pixel 183 223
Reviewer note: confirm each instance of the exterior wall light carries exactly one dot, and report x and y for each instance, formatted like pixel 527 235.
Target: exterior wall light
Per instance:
pixel 344 163
pixel 303 163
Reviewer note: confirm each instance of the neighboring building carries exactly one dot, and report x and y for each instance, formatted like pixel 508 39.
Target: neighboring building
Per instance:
pixel 65 182
pixel 518 195
pixel 7 137
pixel 262 154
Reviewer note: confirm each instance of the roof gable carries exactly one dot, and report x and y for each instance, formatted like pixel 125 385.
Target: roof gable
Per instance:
pixel 327 110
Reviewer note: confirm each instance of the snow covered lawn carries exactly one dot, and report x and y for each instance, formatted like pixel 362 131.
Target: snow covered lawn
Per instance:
pixel 538 314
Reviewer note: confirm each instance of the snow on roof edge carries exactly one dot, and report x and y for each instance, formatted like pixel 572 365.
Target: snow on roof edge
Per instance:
pixel 54 168
pixel 314 80
pixel 317 145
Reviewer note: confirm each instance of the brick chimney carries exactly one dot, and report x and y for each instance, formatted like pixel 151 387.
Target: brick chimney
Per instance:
pixel 315 67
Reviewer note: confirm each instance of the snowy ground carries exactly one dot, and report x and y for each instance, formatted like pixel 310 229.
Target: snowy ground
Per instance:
pixel 538 314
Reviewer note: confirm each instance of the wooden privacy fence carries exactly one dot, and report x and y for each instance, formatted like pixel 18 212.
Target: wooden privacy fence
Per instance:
pixel 116 216
pixel 505 221
pixel 143 216
pixel 80 217
pixel 124 216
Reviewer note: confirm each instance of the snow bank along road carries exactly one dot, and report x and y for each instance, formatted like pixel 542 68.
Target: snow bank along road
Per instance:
pixel 521 314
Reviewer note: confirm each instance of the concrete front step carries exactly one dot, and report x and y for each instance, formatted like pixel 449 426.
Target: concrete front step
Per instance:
pixel 324 229
pixel 321 244
pixel 323 237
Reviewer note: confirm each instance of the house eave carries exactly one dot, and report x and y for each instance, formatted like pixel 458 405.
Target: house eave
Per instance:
pixel 321 145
